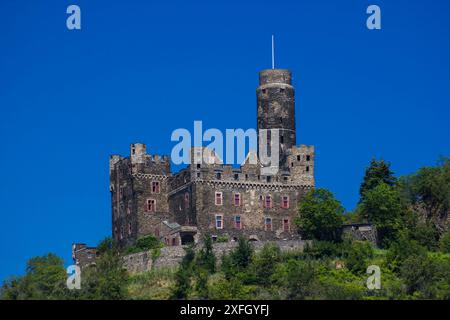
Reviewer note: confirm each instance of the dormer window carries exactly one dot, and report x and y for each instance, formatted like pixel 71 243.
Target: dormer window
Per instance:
pixel 218 175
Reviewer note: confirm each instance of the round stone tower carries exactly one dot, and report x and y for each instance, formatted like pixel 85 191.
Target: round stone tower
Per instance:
pixel 276 108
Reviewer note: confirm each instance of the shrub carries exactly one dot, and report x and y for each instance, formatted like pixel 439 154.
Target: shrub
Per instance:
pixel 264 263
pixel 444 243
pixel 145 244
pixel 358 255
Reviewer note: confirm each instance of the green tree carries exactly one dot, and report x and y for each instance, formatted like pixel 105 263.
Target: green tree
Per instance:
pixel 383 207
pixel 299 278
pixel 358 256
pixel 145 244
pixel 401 249
pixel 320 216
pixel 205 258
pixel 107 279
pixel 45 278
pixel 420 275
pixel 183 276
pixel 205 265
pixel 264 263
pixel 444 242
pixel 378 172
pixel 430 186
pixel 237 260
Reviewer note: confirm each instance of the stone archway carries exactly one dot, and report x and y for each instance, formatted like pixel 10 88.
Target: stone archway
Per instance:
pixel 186 238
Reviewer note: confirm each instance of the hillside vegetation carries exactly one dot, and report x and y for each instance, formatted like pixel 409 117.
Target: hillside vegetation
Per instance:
pixel 411 215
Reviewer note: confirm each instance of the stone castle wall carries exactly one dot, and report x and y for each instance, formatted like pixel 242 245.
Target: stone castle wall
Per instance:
pixel 171 256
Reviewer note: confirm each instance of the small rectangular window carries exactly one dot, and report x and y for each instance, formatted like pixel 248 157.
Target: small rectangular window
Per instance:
pixel 268 203
pixel 236 176
pixel 219 222
pixel 237 222
pixel 308 157
pixel 285 202
pixel 237 199
pixel 268 224
pixel 307 168
pixel 155 186
pixel 218 198
pixel 286 226
pixel 151 205
pixel 298 158
pixel 218 175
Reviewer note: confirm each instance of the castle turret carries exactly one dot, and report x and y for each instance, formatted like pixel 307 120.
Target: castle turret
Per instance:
pixel 276 108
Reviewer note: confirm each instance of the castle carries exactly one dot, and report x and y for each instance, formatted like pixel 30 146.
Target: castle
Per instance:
pixel 213 198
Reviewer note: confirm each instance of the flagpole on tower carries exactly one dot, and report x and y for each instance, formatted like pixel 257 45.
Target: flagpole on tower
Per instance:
pixel 273 53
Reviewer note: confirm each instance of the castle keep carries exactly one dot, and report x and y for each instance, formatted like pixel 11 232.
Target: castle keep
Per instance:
pixel 212 198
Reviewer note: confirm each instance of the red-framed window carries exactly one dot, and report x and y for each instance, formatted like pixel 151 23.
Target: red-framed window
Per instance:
pixel 155 186
pixel 237 199
pixel 268 202
pixel 285 202
pixel 237 222
pixel 151 205
pixel 219 199
pixel 268 224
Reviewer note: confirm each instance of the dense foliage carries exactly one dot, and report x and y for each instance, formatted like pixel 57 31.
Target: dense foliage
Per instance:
pixel 46 278
pixel 321 216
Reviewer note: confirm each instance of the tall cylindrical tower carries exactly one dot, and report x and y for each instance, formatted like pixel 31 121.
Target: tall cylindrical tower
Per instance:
pixel 276 107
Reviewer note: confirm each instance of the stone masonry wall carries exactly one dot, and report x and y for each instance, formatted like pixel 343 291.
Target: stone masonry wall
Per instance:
pixel 172 256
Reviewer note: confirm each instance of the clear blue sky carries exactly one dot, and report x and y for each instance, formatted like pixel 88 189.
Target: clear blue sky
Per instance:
pixel 138 70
